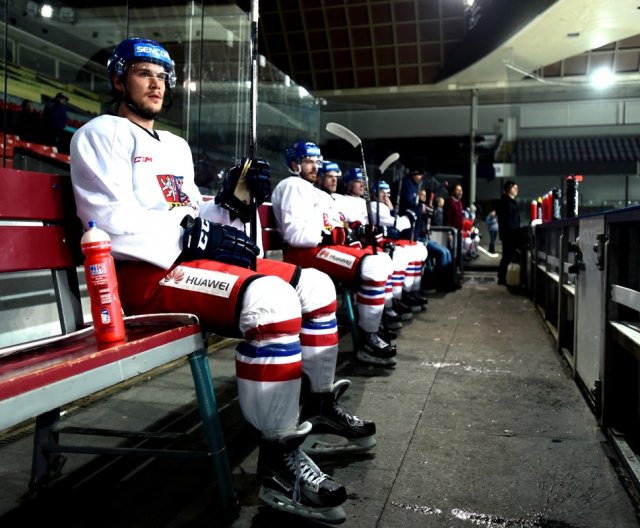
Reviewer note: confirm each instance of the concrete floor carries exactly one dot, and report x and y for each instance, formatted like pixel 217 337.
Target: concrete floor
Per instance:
pixel 479 424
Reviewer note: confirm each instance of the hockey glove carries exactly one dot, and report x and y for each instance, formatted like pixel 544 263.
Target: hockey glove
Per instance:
pixel 353 240
pixel 258 179
pixel 366 233
pixel 336 237
pixel 246 179
pixel 208 240
pixel 411 215
pixel 391 232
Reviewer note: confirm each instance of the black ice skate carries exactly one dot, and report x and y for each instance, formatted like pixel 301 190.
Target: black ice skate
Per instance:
pixel 335 430
pixel 414 303
pixel 387 335
pixel 374 350
pixel 393 323
pixel 393 315
pixel 291 482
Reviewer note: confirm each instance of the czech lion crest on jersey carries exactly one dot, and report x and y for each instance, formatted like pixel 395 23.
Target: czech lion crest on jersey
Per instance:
pixel 171 187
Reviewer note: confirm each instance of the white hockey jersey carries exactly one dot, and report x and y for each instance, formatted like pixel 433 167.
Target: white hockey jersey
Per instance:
pixel 303 212
pixel 386 218
pixel 137 188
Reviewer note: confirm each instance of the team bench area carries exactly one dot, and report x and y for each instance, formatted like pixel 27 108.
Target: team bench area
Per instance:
pixel 39 231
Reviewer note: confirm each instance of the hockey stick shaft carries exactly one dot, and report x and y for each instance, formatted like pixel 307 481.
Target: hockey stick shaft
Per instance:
pixel 344 133
pixel 392 158
pixel 253 117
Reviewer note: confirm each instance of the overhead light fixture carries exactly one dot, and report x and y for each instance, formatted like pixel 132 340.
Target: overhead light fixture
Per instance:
pixel 602 78
pixel 46 11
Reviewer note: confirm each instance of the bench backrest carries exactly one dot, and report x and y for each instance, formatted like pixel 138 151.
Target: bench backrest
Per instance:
pixel 39 230
pixel 271 239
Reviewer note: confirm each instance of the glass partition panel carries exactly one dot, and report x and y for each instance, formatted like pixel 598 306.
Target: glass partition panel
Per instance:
pixel 66 51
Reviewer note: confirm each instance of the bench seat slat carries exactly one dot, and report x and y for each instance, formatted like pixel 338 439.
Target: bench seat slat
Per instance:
pixel 28 370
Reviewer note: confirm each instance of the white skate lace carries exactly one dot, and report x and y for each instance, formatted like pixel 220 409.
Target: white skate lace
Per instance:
pixel 375 340
pixel 343 412
pixel 303 469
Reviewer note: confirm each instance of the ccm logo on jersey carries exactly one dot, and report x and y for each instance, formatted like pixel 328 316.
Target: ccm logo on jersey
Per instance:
pixel 341 259
pixel 142 159
pixel 200 280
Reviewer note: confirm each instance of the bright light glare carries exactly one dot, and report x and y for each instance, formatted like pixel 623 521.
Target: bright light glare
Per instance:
pixel 602 77
pixel 469 3
pixel 302 92
pixel 46 11
pixel 193 86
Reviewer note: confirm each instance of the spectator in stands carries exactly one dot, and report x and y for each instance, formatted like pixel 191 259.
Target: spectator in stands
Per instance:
pixel 509 227
pixel 492 225
pixel 29 125
pixel 410 186
pixel 318 236
pixel 453 210
pixel 442 277
pixel 176 252
pixel 438 213
pixel 54 120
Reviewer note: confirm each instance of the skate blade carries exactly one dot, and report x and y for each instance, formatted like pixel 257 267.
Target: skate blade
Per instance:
pixel 277 501
pixel 319 445
pixel 375 361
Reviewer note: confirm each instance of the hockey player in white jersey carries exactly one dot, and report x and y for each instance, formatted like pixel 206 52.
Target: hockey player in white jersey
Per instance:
pixel 178 253
pixel 408 258
pixel 317 237
pixel 416 251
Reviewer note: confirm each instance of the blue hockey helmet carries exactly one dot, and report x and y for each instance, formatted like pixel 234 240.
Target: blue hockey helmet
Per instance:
pixel 329 166
pixel 300 150
pixel 381 186
pixel 353 174
pixel 140 50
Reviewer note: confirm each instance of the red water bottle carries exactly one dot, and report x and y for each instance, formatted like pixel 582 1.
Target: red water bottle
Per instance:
pixel 102 284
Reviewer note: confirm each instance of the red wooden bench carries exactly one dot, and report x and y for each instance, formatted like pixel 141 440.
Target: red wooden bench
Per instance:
pixel 39 231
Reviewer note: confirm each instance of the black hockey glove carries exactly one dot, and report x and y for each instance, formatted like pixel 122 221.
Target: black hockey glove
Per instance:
pixel 208 240
pixel 258 179
pixel 334 238
pixel 237 189
pixel 365 233
pixel 391 232
pixel 411 215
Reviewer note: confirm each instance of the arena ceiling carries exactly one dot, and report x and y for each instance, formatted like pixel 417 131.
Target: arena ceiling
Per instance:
pixel 411 53
pixel 407 53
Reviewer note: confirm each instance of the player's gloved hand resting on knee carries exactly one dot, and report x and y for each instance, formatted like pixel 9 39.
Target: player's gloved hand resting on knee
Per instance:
pixel 208 240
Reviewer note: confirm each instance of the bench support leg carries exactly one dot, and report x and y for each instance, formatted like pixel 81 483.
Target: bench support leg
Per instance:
pixel 212 430
pixel 348 303
pixel 45 464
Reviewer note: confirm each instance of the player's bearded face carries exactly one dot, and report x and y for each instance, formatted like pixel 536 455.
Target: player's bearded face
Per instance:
pixel 146 83
pixel 309 169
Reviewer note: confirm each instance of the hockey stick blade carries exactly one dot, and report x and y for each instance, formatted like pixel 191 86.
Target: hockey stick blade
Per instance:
pixel 492 255
pixel 343 133
pixel 391 159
